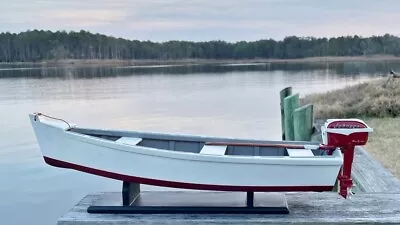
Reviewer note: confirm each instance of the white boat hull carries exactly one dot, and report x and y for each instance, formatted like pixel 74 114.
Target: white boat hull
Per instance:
pixel 159 167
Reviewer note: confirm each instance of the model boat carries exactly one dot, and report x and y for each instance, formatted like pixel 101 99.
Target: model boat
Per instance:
pixel 200 162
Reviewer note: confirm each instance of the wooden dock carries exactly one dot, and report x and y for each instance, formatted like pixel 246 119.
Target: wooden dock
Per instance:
pixel 371 176
pixel 305 208
pixel 376 202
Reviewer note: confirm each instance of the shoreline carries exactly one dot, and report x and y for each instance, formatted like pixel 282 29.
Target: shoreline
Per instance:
pixel 118 62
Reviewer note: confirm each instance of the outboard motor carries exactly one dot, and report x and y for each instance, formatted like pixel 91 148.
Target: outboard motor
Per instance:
pixel 345 134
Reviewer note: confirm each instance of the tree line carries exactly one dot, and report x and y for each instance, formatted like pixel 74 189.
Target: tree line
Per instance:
pixel 38 45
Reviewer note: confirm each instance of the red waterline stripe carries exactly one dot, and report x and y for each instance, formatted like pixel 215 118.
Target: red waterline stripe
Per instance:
pixel 173 184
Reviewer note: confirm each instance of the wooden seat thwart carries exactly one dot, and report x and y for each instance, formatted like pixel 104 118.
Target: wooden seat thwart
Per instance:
pixel 213 149
pixel 129 140
pixel 299 152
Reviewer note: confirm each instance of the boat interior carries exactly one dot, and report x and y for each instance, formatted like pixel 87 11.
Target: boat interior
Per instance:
pixel 202 145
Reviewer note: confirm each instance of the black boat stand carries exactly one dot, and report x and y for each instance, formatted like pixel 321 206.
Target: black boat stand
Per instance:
pixel 179 202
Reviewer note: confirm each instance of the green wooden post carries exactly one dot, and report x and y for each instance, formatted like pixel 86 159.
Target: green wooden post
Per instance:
pixel 287 91
pixel 290 103
pixel 303 123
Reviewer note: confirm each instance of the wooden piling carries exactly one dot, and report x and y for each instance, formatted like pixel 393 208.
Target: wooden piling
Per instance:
pixel 283 94
pixel 290 103
pixel 303 123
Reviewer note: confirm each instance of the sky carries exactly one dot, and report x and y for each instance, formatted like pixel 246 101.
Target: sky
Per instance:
pixel 203 20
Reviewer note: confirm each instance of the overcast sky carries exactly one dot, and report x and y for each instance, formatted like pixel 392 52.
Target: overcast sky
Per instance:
pixel 195 20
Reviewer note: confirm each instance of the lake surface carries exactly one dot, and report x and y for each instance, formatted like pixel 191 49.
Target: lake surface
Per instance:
pixel 223 100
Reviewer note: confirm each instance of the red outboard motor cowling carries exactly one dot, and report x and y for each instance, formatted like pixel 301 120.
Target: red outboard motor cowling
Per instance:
pixel 345 134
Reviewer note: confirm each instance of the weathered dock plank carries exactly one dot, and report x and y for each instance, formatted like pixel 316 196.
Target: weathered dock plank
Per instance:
pixel 371 175
pixel 305 208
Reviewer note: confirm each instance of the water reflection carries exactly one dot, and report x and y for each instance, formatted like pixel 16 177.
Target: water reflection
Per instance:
pixel 88 72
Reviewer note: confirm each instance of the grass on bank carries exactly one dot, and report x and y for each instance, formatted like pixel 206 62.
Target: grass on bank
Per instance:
pixel 384 142
pixel 377 99
pixel 378 104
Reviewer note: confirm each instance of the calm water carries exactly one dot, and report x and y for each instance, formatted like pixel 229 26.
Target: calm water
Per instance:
pixel 223 100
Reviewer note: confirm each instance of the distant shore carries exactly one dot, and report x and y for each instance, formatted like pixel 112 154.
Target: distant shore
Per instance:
pixel 118 62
